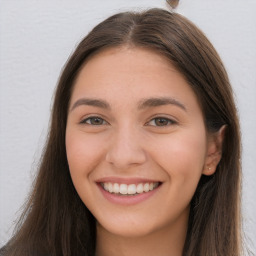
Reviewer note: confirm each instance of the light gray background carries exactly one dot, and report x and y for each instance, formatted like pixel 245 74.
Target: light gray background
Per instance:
pixel 36 37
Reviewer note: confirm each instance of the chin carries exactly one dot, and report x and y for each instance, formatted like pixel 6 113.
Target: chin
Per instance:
pixel 127 230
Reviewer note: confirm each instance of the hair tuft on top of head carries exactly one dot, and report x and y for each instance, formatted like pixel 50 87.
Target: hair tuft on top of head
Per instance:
pixel 173 3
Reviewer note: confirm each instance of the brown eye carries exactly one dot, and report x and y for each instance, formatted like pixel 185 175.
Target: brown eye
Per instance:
pixel 94 120
pixel 161 121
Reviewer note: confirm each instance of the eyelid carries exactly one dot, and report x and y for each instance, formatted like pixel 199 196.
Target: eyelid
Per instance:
pixel 91 116
pixel 171 121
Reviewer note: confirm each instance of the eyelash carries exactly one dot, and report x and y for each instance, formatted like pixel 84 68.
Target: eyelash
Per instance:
pixel 165 121
pixel 85 121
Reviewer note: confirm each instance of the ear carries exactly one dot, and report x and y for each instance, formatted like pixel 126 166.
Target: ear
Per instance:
pixel 214 151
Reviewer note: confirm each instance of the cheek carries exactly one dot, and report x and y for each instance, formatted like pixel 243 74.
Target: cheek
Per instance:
pixel 83 153
pixel 190 153
pixel 182 158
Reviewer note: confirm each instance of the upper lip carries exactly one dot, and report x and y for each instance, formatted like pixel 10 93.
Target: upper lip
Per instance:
pixel 130 180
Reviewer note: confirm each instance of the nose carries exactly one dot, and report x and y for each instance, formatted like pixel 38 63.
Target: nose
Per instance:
pixel 125 149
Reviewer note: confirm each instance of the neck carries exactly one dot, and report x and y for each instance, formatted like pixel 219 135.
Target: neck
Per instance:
pixel 165 241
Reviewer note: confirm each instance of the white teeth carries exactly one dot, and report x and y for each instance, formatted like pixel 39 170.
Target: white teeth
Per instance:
pixel 105 186
pixel 146 187
pixel 110 187
pixel 139 188
pixel 116 188
pixel 122 189
pixel 130 189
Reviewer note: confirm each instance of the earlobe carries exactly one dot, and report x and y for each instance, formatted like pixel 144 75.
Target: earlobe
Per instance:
pixel 214 151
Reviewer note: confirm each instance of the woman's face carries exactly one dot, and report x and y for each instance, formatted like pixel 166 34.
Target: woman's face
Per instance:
pixel 136 142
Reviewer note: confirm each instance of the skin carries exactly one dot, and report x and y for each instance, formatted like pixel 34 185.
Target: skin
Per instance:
pixel 127 141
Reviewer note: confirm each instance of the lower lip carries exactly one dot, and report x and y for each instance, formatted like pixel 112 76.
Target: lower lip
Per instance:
pixel 127 200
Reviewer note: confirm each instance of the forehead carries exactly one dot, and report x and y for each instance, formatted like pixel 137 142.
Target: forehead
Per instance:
pixel 118 74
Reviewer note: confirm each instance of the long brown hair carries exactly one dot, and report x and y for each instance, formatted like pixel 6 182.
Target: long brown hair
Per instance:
pixel 55 220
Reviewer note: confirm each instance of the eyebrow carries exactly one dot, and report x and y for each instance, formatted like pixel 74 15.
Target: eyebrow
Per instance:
pixel 145 103
pixel 91 102
pixel 156 102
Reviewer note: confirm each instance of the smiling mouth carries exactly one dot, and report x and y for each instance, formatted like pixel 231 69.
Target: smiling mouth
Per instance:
pixel 129 189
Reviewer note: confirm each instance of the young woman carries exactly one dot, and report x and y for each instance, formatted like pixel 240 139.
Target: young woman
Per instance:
pixel 143 154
